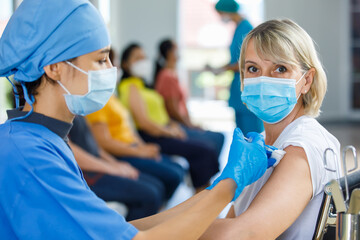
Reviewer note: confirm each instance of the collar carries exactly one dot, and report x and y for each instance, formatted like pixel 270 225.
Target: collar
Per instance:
pixel 60 128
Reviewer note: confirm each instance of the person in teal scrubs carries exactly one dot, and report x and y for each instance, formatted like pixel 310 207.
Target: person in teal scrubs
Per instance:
pixel 245 120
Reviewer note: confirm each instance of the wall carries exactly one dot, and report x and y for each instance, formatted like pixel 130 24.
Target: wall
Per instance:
pixel 146 22
pixel 327 21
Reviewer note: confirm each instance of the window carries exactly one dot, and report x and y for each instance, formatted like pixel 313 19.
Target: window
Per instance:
pixel 205 40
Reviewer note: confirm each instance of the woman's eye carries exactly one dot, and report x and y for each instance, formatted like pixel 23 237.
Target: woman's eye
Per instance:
pixel 281 69
pixel 252 69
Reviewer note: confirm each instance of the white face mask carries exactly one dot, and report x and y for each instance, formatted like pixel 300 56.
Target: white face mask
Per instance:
pixel 225 19
pixel 101 84
pixel 143 69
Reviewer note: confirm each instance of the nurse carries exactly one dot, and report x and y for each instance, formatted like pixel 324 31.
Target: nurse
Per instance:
pixel 245 120
pixel 58 52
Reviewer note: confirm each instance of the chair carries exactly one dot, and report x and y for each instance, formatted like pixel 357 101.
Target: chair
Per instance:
pixel 326 222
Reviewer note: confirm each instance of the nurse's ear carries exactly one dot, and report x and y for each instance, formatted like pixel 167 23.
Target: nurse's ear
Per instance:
pixel 309 77
pixel 53 71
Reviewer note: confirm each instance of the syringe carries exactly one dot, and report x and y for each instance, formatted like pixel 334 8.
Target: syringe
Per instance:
pixel 272 151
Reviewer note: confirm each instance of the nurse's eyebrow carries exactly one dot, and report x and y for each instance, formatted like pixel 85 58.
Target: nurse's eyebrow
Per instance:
pixel 107 50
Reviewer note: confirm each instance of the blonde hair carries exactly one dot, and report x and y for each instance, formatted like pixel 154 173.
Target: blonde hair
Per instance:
pixel 285 41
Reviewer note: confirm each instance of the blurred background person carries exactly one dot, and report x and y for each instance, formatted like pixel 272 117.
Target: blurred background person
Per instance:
pixel 154 124
pixel 229 12
pixel 166 82
pixel 114 180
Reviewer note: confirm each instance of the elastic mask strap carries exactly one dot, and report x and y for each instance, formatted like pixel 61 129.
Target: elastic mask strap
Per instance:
pixel 61 85
pixel 298 82
pixel 301 78
pixel 17 100
pixel 76 67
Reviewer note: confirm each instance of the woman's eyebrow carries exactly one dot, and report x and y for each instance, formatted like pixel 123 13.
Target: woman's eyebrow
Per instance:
pixel 249 61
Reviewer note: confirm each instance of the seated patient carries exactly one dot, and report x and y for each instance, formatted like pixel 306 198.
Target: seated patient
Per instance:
pixel 112 130
pixel 154 125
pixel 168 86
pixel 113 180
pixel 284 84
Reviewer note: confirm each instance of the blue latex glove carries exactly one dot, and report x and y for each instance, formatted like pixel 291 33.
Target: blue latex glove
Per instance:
pixel 247 161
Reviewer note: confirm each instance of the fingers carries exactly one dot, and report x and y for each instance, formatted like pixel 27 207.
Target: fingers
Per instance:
pixel 238 134
pixel 271 162
pixel 256 138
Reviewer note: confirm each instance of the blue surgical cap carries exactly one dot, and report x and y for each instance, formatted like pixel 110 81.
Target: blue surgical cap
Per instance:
pixel 43 32
pixel 230 6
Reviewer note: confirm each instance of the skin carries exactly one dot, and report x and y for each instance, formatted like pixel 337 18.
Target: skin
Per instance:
pixel 139 111
pixel 186 221
pixel 173 103
pixel 106 163
pixel 235 18
pixel 117 148
pixel 50 100
pixel 278 201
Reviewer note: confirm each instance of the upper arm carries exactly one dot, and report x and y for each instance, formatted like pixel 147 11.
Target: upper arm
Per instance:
pixel 101 132
pixel 137 105
pixel 282 199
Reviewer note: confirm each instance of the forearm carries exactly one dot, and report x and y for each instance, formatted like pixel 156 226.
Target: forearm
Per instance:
pixel 193 221
pixel 117 148
pixel 154 220
pixel 106 156
pixel 153 129
pixel 86 161
pixel 233 67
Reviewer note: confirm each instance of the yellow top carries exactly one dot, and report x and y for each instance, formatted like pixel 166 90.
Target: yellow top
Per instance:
pixel 116 116
pixel 154 102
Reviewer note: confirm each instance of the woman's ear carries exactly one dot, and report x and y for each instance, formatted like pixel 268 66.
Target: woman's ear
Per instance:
pixel 309 77
pixel 53 71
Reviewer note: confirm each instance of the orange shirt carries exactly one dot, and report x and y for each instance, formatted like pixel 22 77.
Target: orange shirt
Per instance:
pixel 116 116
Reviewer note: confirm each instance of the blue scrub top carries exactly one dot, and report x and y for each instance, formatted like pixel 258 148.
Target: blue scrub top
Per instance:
pixel 242 29
pixel 43 194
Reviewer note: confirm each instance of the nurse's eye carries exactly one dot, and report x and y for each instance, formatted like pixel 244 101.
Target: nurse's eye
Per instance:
pixel 102 61
pixel 281 69
pixel 252 69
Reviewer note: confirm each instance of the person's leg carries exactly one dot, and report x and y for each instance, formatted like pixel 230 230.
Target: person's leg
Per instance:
pixel 169 173
pixel 214 140
pixel 143 196
pixel 248 122
pixel 203 160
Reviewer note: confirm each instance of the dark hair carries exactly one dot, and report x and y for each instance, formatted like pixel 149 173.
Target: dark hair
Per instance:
pixel 112 56
pixel 125 57
pixel 32 87
pixel 165 46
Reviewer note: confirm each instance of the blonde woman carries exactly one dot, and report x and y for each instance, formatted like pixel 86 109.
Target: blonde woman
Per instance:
pixel 284 84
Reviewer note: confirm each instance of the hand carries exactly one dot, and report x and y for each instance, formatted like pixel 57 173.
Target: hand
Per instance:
pixel 149 150
pixel 123 169
pixel 215 71
pixel 247 161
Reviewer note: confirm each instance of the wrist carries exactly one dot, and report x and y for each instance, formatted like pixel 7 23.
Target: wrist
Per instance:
pixel 227 187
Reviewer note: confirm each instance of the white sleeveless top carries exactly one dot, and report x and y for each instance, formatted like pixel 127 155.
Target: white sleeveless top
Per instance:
pixel 307 133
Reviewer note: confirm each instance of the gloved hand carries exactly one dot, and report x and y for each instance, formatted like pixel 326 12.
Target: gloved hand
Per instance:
pixel 247 161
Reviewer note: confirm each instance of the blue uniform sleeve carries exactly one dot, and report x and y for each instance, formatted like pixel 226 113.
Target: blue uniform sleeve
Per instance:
pixel 51 201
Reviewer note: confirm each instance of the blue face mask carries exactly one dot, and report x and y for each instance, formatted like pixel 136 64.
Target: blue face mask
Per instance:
pixel 101 84
pixel 270 99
